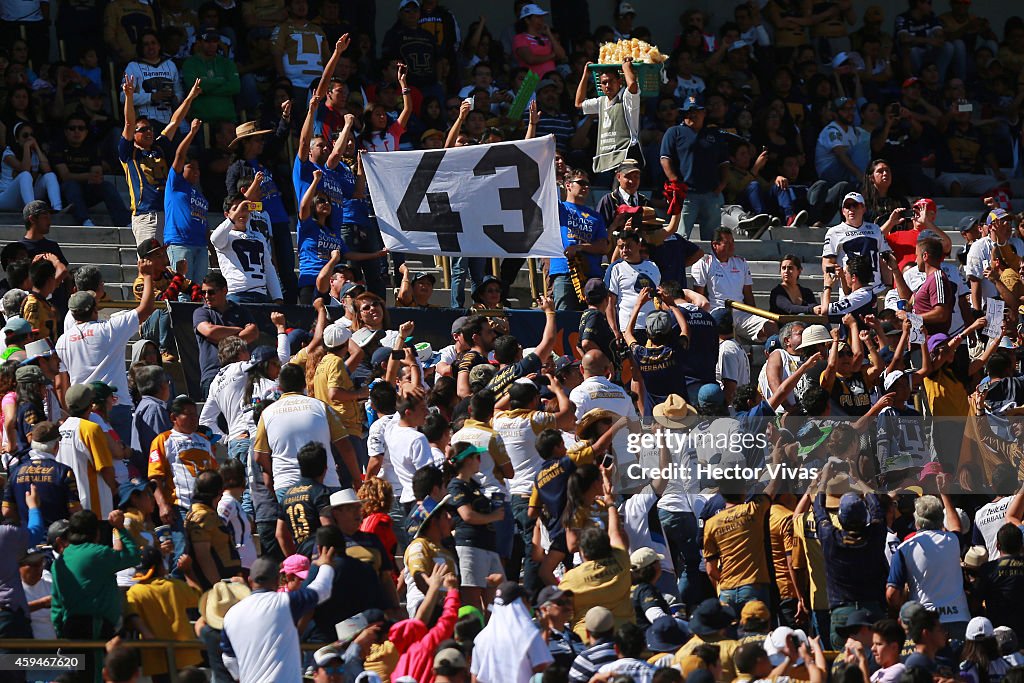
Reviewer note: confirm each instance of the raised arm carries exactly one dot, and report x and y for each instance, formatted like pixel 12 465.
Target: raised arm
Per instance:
pixel 531 127
pixel 128 88
pixel 550 335
pixel 325 78
pixel 181 153
pixel 581 88
pixel 630 74
pixel 339 145
pixel 453 132
pixel 306 205
pixel 403 118
pixel 306 134
pixel 182 111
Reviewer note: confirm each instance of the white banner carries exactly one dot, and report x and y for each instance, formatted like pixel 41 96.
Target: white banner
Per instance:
pixel 482 200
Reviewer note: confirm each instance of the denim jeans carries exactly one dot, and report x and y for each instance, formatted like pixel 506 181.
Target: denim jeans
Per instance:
pixel 267 531
pixel 157 329
pixel 249 298
pixel 198 259
pixel 239 450
pixel 704 208
pixel 15 625
pixel 367 239
pixel 82 196
pixel 178 539
pixel 680 530
pixel 524 527
pixel 505 531
pixel 399 514
pixel 476 267
pixel 564 293
pixel 359 446
pixel 737 597
pixel 821 619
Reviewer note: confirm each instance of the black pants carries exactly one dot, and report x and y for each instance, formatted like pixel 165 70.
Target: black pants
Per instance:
pixel 85 627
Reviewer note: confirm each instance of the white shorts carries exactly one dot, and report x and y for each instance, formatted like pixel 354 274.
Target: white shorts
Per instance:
pixel 975 184
pixel 476 564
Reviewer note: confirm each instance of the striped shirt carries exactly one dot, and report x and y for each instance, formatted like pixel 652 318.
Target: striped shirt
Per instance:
pixel 590 660
pixel 177 459
pixel 83 448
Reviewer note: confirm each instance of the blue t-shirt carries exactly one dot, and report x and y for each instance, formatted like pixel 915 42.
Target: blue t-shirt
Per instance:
pixel 338 184
pixel 315 246
pixel 671 256
pixel 579 225
pixel 697 155
pixel 146 172
pixel 185 210
pixel 700 359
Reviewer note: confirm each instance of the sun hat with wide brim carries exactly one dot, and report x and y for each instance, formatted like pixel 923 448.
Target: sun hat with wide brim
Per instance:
pixel 591 418
pixel 215 603
pixel 814 335
pixel 674 411
pixel 247 130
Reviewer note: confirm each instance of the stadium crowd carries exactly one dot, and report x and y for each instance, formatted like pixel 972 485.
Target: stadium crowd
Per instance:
pixel 492 511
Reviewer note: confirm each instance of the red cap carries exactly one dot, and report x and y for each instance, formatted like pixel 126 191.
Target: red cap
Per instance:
pixel 626 208
pixel 913 80
pixel 928 204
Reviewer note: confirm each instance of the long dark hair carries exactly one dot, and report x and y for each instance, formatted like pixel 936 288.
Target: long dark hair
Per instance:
pixel 27 393
pixel 981 653
pixel 579 483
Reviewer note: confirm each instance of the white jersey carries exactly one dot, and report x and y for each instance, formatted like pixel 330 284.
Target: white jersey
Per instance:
pixel 376 446
pixel 407 450
pixel 635 511
pixel 289 424
pixel 95 351
pixel 601 392
pixel 83 448
pixel 519 430
pixel 625 281
pixel 790 363
pixel 149 80
pixel 980 257
pixel 42 621
pixel 733 363
pixel 721 281
pixel 988 520
pixel 245 260
pixel 225 398
pixel 843 241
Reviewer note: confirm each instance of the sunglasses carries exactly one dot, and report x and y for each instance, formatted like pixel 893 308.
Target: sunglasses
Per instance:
pixel 369 307
pixel 143 129
pixel 582 183
pixel 75 128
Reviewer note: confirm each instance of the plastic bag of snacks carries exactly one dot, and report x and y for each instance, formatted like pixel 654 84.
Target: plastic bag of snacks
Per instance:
pixel 639 50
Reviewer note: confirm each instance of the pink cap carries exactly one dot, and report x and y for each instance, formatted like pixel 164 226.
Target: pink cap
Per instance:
pixel 928 204
pixel 931 468
pixel 297 565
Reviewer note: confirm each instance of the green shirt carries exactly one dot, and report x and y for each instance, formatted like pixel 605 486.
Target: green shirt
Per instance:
pixel 84 581
pixel 220 85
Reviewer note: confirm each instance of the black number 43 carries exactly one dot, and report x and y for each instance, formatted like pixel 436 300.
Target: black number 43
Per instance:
pixel 447 224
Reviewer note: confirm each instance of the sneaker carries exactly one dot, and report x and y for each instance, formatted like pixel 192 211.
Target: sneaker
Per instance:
pixel 755 225
pixel 88 223
pixel 168 357
pixel 799 219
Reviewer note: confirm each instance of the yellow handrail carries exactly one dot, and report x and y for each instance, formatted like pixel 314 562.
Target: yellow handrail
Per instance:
pixel 776 317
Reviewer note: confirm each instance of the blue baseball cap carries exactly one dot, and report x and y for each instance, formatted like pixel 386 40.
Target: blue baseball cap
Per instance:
pixel 711 395
pixel 968 223
pixel 997 214
pixel 125 490
pixel 692 103
pixel 853 511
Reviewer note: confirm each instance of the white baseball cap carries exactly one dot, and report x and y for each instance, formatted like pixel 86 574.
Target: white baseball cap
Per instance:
pixel 891 378
pixel 336 335
pixel 626 8
pixel 978 628
pixel 344 497
pixel 531 10
pixel 855 196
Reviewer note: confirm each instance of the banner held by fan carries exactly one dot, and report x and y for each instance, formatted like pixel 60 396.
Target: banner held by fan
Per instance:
pixel 498 200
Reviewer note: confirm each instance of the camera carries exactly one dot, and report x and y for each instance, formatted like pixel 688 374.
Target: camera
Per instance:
pixel 831 270
pixel 907 213
pixel 964 106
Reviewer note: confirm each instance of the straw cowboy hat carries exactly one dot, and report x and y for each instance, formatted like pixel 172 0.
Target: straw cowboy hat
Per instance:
pixel 591 418
pixel 215 603
pixel 248 130
pixel 674 411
